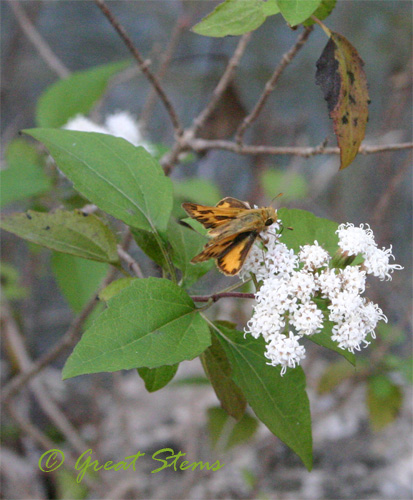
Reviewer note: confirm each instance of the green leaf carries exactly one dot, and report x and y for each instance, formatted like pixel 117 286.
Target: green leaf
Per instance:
pixel 192 380
pixel 10 282
pixel 334 374
pixel 185 244
pixel 150 245
pixel 281 403
pixel 78 279
pixel 323 338
pixel 293 185
pixel 406 369
pixel 324 10
pixel 391 334
pixel 218 371
pixel 74 233
pixel 307 228
pixel 24 176
pixel 270 7
pixel 121 179
pixel 115 287
pixel 202 191
pixel 384 400
pixel 225 433
pixel 197 190
pixel 151 323
pixel 297 11
pixel 67 487
pixel 343 81
pixel 76 94
pixel 232 17
pixel 157 378
pixel 182 244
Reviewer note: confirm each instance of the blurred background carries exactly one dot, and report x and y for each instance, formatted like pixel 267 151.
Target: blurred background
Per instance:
pixel 356 454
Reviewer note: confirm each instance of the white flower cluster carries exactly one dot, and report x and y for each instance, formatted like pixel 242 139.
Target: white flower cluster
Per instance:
pixel 119 124
pixel 357 240
pixel 294 285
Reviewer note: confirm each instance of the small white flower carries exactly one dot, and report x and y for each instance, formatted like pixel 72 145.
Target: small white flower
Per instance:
pixel 275 293
pixel 119 124
pixel 285 351
pixel 122 124
pixel 355 240
pixel 303 285
pixel 343 305
pixel 265 323
pixel 328 283
pixel 370 315
pixel 255 263
pixel 353 279
pixel 349 334
pixel 82 124
pixel 280 259
pixel 314 256
pixel 307 319
pixel 275 258
pixel 377 262
pixel 358 322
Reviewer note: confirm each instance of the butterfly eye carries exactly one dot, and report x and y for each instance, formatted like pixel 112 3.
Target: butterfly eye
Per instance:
pixel 268 222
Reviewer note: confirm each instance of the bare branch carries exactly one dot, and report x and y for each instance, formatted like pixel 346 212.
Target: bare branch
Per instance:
pixel 199 145
pixel 19 352
pixel 166 60
pixel 68 340
pixel 386 197
pixel 46 443
pixel 46 53
pixel 181 145
pixel 131 262
pixel 217 296
pixel 223 83
pixel 270 85
pixel 143 65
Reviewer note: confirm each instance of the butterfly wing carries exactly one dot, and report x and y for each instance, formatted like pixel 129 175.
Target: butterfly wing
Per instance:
pixel 232 260
pixel 211 217
pixel 229 253
pixel 229 202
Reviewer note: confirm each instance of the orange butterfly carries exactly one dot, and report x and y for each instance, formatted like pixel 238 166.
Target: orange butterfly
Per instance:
pixel 233 226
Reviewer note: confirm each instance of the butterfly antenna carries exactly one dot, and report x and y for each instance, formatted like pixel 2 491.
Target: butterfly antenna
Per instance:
pixel 275 197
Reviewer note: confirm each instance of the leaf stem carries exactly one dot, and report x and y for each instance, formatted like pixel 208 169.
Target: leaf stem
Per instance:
pixel 167 257
pixel 217 296
pixel 214 327
pixel 323 26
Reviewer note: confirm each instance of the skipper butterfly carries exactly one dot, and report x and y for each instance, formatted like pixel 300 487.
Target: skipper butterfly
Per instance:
pixel 233 226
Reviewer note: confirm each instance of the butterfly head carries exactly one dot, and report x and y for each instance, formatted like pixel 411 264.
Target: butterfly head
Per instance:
pixel 269 216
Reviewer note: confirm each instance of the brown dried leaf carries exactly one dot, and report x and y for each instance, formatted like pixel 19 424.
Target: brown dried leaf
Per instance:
pixel 343 81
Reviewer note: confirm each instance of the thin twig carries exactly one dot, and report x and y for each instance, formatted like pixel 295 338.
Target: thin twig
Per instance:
pixel 223 83
pixel 217 296
pixel 130 261
pixel 143 65
pixel 171 157
pixel 19 352
pixel 68 340
pixel 37 40
pixel 180 25
pixel 46 443
pixel 392 185
pixel 199 145
pixel 270 85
